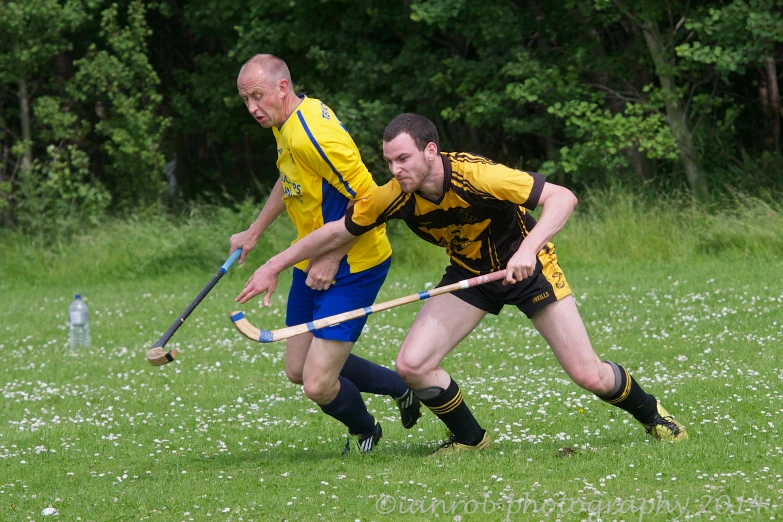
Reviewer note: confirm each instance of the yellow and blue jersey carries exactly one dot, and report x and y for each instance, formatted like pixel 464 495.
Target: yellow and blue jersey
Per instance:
pixel 322 170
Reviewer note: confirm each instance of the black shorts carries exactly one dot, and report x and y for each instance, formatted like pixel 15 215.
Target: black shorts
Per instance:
pixel 547 285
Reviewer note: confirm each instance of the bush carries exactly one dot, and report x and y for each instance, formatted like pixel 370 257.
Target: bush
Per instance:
pixel 618 225
pixel 610 226
pixel 59 196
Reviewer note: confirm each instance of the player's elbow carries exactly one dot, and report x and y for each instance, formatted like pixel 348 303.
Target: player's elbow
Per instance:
pixel 558 197
pixel 570 199
pixel 565 199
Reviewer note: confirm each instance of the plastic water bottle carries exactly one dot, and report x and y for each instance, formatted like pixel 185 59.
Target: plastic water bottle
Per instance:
pixel 80 323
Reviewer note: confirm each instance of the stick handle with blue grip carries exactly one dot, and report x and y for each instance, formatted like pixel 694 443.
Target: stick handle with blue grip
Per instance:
pixel 157 356
pixel 267 336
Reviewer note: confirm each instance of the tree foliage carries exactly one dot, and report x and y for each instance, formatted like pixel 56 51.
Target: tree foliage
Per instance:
pixel 133 103
pixel 121 85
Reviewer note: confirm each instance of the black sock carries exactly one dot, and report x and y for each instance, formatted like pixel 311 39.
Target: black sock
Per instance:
pixel 349 408
pixel 629 396
pixel 451 409
pixel 373 378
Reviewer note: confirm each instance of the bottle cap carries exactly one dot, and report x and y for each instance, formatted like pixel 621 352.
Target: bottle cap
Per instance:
pixel 78 296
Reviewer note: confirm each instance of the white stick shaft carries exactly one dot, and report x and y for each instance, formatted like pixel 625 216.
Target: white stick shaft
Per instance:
pixel 268 336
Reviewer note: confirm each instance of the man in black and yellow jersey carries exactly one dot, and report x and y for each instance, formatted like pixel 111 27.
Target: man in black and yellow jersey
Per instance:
pixel 321 173
pixel 479 211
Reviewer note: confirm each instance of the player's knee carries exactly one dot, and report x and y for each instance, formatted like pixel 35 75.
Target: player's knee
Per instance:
pixel 294 375
pixel 404 369
pixel 320 391
pixel 410 370
pixel 589 380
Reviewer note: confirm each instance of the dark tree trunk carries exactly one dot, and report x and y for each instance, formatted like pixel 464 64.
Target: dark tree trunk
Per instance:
pixel 24 119
pixel 675 113
pixel 770 104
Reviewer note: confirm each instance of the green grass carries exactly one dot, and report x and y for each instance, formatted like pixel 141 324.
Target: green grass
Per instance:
pixel 220 434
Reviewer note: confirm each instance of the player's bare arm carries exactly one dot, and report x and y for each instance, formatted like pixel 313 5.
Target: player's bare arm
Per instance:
pixel 264 280
pixel 557 204
pixel 322 269
pixel 248 239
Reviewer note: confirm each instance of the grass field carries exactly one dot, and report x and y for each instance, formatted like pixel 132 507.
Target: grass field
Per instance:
pixel 220 434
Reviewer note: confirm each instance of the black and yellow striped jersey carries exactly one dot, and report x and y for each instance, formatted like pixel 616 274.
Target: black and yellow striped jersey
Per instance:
pixel 480 219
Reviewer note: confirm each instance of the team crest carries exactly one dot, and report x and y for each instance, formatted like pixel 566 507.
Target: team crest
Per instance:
pixel 454 240
pixel 464 215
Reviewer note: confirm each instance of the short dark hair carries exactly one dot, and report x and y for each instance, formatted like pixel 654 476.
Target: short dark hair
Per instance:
pixel 418 127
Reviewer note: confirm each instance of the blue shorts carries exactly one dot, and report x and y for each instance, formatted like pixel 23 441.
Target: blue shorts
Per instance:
pixel 348 292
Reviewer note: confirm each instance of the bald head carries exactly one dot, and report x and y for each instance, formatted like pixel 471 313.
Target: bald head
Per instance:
pixel 264 84
pixel 268 66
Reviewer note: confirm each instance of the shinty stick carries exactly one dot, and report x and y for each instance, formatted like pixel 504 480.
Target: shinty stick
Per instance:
pixel 156 356
pixel 268 336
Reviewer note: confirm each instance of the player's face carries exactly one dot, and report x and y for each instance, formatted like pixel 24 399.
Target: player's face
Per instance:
pixel 263 99
pixel 407 163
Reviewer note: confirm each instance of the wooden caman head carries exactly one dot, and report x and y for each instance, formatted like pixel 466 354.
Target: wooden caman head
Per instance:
pixel 157 357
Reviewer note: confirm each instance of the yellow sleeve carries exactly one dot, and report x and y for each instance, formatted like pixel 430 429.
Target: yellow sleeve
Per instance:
pixel 377 208
pixel 504 183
